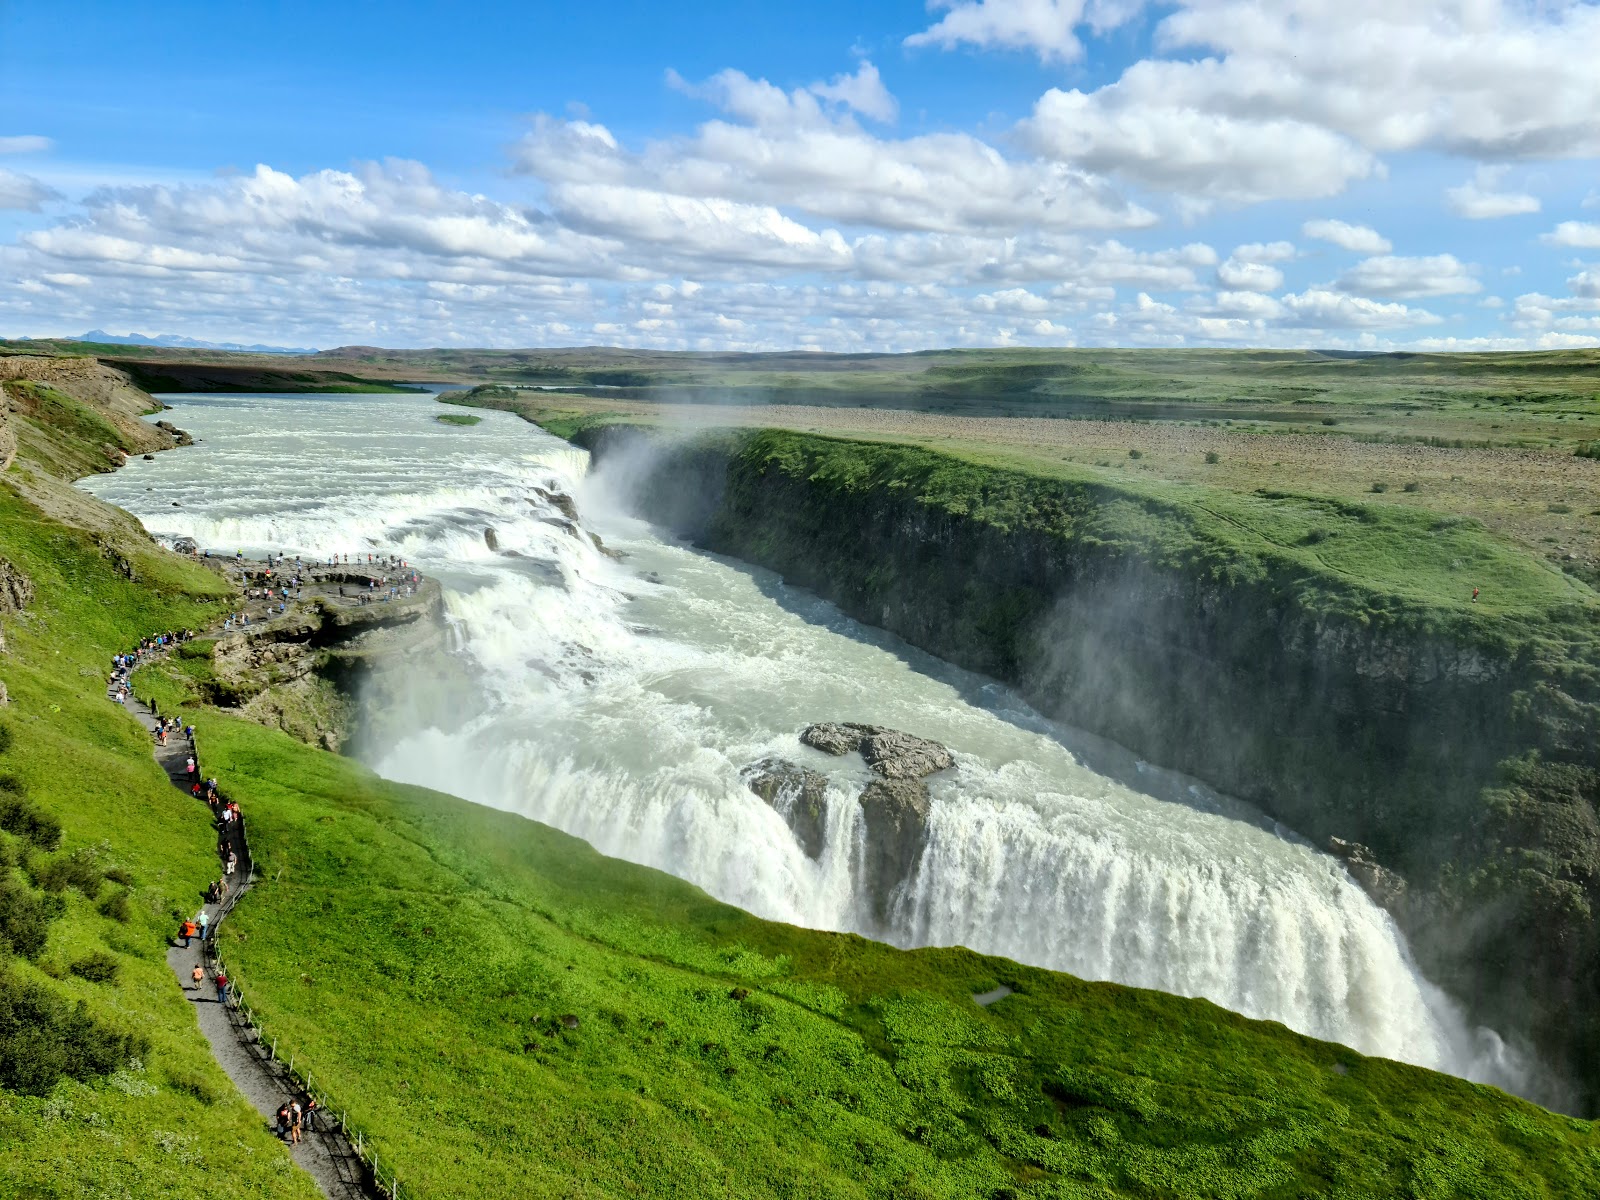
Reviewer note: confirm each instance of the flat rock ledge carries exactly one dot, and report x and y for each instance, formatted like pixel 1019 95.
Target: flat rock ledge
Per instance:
pixel 889 752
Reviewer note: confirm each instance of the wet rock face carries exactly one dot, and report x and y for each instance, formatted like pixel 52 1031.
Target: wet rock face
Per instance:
pixel 1386 888
pixel 896 814
pixel 563 502
pixel 895 806
pixel 799 796
pixel 491 539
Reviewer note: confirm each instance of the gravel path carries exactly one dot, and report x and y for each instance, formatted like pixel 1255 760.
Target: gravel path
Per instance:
pixel 325 1154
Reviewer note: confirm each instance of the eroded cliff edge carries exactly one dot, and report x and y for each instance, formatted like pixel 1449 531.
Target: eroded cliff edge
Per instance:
pixel 1459 746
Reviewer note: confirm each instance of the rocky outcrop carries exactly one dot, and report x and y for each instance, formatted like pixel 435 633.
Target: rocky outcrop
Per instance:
pixel 895 806
pixel 562 502
pixel 180 437
pixel 798 794
pixel 491 539
pixel 890 753
pixel 1387 888
pixel 16 589
pixel 896 815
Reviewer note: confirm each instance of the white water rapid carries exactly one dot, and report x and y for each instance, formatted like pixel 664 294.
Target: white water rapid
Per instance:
pixel 618 700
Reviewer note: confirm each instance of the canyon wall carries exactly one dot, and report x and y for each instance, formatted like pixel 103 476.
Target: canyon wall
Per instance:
pixel 1463 757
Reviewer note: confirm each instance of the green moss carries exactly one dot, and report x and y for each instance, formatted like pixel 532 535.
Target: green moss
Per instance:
pixel 457 419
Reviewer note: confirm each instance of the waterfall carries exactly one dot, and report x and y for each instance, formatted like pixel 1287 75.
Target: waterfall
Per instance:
pixel 619 701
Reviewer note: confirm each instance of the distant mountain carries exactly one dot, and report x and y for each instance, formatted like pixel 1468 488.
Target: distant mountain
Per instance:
pixel 172 339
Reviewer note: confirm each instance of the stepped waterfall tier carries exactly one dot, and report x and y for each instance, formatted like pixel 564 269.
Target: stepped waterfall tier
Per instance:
pixel 605 679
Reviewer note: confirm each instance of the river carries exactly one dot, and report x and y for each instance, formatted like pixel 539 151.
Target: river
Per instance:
pixel 618 701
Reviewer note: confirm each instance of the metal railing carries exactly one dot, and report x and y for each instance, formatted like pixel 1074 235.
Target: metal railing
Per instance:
pixel 254 1035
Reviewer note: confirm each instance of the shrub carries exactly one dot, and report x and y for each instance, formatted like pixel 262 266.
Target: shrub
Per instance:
pixel 22 818
pixel 25 918
pixel 1380 487
pixel 1213 457
pixel 1412 487
pixel 118 875
pixel 1588 450
pixel 1329 421
pixel 43 1038
pixel 5 738
pixel 70 870
pixel 98 967
pixel 1135 453
pixel 115 906
pixel 193 1085
pixel 1558 508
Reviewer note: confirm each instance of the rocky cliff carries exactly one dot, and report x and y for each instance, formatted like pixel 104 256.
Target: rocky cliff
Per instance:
pixel 1463 760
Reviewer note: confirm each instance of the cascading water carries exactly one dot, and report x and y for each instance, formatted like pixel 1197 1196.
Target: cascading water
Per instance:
pixel 619 700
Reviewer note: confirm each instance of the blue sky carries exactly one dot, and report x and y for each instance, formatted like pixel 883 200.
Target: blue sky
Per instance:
pixel 835 176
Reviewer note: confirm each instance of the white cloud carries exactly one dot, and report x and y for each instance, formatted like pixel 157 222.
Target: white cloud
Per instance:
pixel 23 193
pixel 1580 234
pixel 1264 252
pixel 1586 284
pixel 1406 278
pixel 1316 88
pixel 785 150
pixel 1249 276
pixel 27 143
pixel 1479 199
pixel 1324 308
pixel 1044 26
pixel 864 92
pixel 1360 239
pixel 1186 149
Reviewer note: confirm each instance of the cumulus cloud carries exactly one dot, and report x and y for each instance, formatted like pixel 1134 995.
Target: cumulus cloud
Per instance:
pixel 1407 278
pixel 1241 275
pixel 784 149
pixel 23 193
pixel 864 92
pixel 1174 147
pixel 1357 238
pixel 1480 200
pixel 1325 308
pixel 1043 26
pixel 1586 284
pixel 1584 235
pixel 1316 89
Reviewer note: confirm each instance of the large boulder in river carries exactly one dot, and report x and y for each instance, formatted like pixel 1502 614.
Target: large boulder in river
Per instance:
pixel 889 752
pixel 491 539
pixel 798 794
pixel 896 815
pixel 181 436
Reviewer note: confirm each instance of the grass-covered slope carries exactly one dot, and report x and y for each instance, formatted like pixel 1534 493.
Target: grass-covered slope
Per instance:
pixel 133 854
pixel 507 1013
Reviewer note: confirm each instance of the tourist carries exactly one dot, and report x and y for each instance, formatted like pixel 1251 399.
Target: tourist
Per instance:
pixel 294 1123
pixel 281 1118
pixel 311 1111
pixel 186 931
pixel 222 988
pixel 233 861
pixel 199 977
pixel 204 920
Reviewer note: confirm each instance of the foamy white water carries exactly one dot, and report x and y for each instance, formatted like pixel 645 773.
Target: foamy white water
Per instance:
pixel 619 700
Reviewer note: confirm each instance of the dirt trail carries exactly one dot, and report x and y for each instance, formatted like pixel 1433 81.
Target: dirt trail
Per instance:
pixel 325 1154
